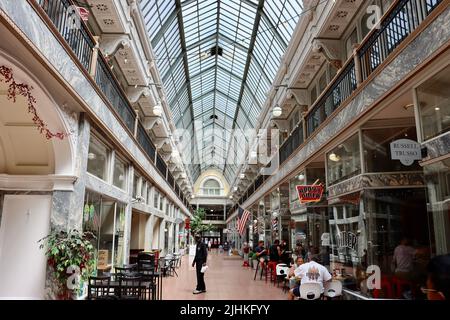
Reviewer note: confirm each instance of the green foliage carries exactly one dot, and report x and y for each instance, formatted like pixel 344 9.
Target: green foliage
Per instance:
pixel 66 249
pixel 197 225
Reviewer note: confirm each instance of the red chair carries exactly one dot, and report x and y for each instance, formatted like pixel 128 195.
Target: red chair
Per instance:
pixel 400 285
pixel 386 288
pixel 272 268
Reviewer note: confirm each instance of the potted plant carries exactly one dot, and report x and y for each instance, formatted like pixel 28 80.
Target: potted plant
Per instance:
pixel 197 225
pixel 71 256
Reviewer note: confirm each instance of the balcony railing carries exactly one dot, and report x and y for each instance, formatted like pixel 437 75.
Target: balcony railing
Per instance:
pixel 403 18
pixel 78 37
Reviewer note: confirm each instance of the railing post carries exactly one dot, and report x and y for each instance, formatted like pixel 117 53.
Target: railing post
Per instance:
pixel 93 64
pixel 358 70
pixel 136 123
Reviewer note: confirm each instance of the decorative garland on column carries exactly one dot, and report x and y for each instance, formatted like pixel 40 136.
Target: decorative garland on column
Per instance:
pixel 20 89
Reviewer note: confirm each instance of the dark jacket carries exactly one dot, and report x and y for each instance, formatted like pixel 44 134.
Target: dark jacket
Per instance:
pixel 201 253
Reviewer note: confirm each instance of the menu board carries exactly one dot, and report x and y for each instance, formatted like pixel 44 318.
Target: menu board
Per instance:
pixel 102 263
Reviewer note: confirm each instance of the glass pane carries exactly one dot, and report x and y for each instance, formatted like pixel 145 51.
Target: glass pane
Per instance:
pixel 97 159
pixel 105 239
pixel 119 236
pixel 344 161
pixel 434 104
pixel 119 179
pixel 377 151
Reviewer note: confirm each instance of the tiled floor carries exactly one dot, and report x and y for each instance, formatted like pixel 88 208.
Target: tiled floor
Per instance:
pixel 225 280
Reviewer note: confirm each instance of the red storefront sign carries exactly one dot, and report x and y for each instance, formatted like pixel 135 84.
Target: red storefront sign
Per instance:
pixel 187 223
pixel 311 193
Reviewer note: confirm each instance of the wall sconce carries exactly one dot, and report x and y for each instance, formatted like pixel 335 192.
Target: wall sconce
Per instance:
pixel 277 111
pixel 334 157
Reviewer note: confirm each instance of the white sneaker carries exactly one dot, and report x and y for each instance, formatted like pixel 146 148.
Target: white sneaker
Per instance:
pixel 196 292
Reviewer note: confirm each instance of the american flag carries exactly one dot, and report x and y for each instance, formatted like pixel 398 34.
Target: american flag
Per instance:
pixel 243 216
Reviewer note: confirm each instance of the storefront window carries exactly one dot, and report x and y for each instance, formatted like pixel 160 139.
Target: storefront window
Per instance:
pixel 377 150
pixel 437 177
pixel 119 179
pixel 106 220
pixel 366 233
pixel 149 194
pixel 344 161
pixel 161 203
pixel 433 98
pixel 97 159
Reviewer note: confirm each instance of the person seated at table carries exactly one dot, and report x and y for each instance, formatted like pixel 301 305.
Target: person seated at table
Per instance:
pixel 293 280
pixel 261 252
pixel 310 272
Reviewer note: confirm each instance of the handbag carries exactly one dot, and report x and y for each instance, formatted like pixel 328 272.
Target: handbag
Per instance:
pixel 204 268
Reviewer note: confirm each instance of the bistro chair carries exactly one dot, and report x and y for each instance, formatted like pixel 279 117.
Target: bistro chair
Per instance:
pixel 333 289
pixel 99 288
pixel 310 291
pixel 282 270
pixel 131 288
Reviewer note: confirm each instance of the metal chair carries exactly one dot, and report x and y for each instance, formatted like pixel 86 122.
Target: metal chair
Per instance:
pixel 99 288
pixel 310 291
pixel 131 288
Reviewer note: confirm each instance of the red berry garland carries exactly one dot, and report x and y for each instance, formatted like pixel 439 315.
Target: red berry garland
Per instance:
pixel 19 89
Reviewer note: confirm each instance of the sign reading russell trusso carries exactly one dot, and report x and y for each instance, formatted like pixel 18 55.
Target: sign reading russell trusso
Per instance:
pixel 405 150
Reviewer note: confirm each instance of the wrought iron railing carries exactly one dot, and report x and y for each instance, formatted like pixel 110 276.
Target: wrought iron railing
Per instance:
pixel 339 91
pixel 145 142
pixel 161 165
pixel 401 21
pixel 75 32
pixel 403 18
pixel 291 143
pixel 109 86
pixel 64 17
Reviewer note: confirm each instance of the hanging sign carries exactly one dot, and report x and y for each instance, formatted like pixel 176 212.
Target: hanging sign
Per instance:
pixel 406 150
pixel 311 193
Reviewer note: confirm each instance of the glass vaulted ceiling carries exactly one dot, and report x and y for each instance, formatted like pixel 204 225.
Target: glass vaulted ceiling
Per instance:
pixel 216 95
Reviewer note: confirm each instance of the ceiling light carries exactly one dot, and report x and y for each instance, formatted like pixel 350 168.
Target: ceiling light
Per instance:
pixel 301 176
pixel 277 111
pixel 437 108
pixel 235 188
pixel 91 156
pixel 157 110
pixel 334 157
pixel 242 176
pixel 125 61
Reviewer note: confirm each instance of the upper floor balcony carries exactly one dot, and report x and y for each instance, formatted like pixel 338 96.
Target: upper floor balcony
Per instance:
pixel 84 48
pixel 366 60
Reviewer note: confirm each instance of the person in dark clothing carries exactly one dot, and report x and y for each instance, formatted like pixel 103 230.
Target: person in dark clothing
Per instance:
pixel 274 251
pixel 201 254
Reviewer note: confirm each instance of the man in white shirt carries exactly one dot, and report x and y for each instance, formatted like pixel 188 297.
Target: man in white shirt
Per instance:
pixel 311 272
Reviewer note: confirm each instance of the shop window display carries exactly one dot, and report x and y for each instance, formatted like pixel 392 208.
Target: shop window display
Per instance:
pixel 344 161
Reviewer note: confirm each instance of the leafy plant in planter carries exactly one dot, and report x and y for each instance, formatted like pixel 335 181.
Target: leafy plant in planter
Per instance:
pixel 66 252
pixel 197 225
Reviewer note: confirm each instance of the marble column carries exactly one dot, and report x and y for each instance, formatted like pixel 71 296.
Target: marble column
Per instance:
pixel 67 206
pixel 177 237
pixel 128 213
pixel 162 235
pixel 149 233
